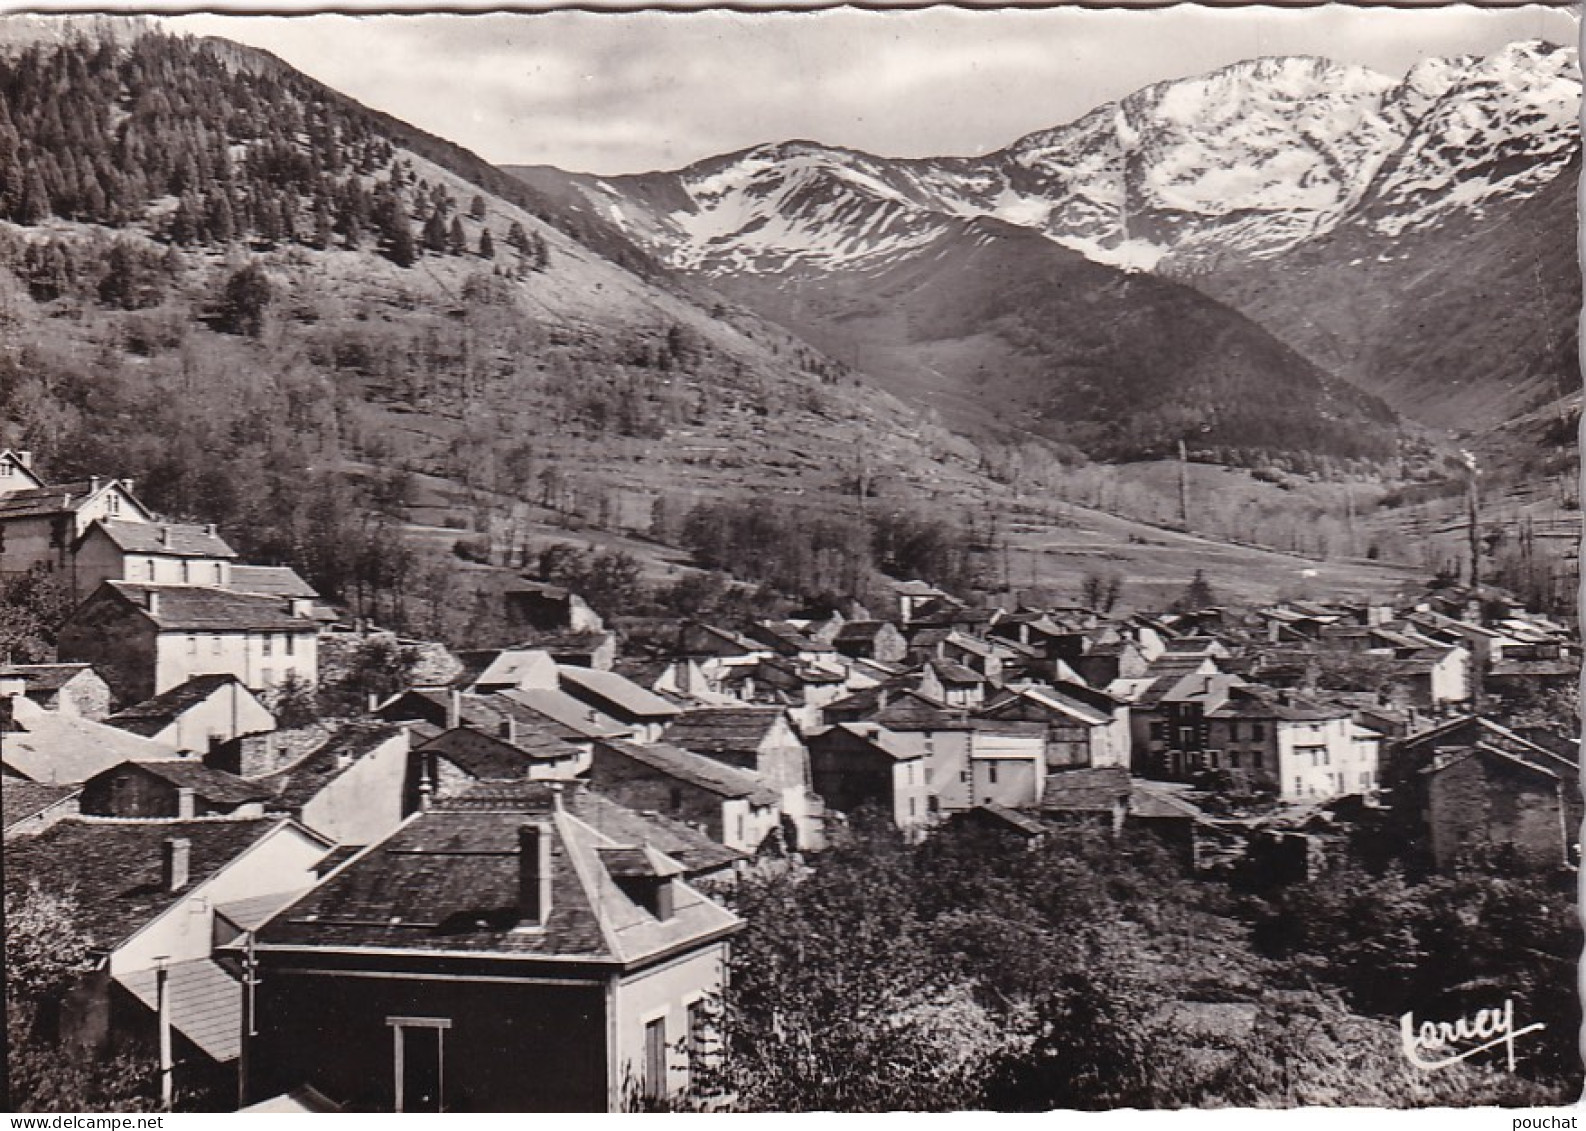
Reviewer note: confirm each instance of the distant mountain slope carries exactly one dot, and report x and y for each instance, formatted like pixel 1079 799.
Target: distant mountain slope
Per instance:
pixel 1462 325
pixel 1003 331
pixel 1262 183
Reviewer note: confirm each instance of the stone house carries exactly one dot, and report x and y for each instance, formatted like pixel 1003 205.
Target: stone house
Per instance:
pixel 40 526
pixel 198 716
pixel 146 639
pixel 727 804
pixel 859 764
pixel 73 689
pixel 177 790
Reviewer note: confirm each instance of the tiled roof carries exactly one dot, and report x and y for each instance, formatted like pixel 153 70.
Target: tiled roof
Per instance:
pixel 204 609
pixel 1154 801
pixel 579 719
pixel 693 849
pixel 114 867
pixel 487 757
pixel 270 581
pixel 611 688
pixel 205 1004
pixel 211 785
pixel 873 735
pixel 44 677
pixel 169 539
pixel 693 769
pixel 46 746
pixel 20 800
pixel 711 730
pixel 510 666
pixel 448 880
pixel 954 673
pixel 37 502
pixel 298 784
pixel 1019 822
pixel 1086 791
pixel 1253 701
pixel 153 715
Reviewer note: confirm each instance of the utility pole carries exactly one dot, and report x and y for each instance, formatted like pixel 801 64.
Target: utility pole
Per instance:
pixel 1183 485
pixel 1473 517
pixel 162 999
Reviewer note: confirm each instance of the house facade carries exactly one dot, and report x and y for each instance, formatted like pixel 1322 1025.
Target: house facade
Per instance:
pixel 508 960
pixel 147 639
pixel 155 553
pixel 40 526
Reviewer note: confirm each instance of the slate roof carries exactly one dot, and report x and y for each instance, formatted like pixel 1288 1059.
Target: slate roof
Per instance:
pixel 169 539
pixel 489 757
pixel 199 608
pixel 205 1001
pixel 211 785
pixel 698 853
pixel 712 730
pixel 1152 801
pixel 1256 702
pixel 20 800
pixel 509 666
pixel 298 784
pixel 37 502
pixel 1050 702
pixel 1017 821
pixel 873 735
pixel 611 688
pixel 447 880
pixel 153 715
pixel 44 678
pixel 270 581
pixel 693 769
pixel 114 867
pixel 579 719
pixel 953 673
pixel 46 746
pixel 1086 791
pixel 860 631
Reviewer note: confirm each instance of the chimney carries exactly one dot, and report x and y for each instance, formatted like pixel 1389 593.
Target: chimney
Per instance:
pixel 508 729
pixel 454 710
pixel 93 484
pixel 209 529
pixel 299 607
pixel 151 602
pixel 126 485
pixel 177 856
pixel 534 875
pixel 25 459
pixel 186 803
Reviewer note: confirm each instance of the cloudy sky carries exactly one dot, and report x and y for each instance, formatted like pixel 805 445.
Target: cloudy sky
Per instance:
pixel 611 93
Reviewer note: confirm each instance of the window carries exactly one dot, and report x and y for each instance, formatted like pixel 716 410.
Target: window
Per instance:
pixel 698 1035
pixel 192 645
pixel 655 1058
pixel 1258 731
pixel 6 470
pixel 289 644
pixel 112 503
pixel 151 569
pixel 738 825
pixel 185 576
pixel 266 675
pixel 1255 759
pixel 1233 759
pixel 267 644
pixel 991 771
pixel 214 644
pixel 418 1062
pixel 220 574
pixel 1299 785
pixel 1233 731
pixel 913 808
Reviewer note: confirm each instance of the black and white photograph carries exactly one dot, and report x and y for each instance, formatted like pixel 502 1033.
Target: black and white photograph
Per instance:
pixel 859 560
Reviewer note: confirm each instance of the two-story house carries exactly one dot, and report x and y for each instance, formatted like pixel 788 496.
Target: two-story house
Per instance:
pixel 147 639
pixel 511 959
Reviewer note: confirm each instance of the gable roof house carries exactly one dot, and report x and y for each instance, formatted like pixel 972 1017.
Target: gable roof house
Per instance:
pixel 156 553
pixel 73 689
pixel 728 804
pixel 1093 731
pixel 198 716
pixel 59 749
pixel 645 712
pixel 494 740
pixel 352 788
pixel 858 764
pixel 180 790
pixel 149 893
pixel 548 608
pixel 870 640
pixel 762 741
pixel 16 471
pixel 500 956
pixel 1472 783
pixel 40 526
pixel 147 639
